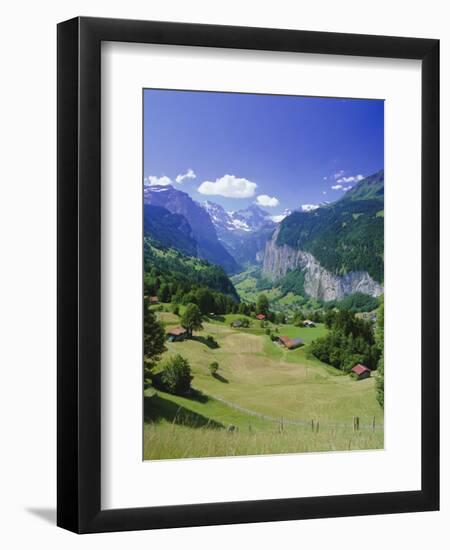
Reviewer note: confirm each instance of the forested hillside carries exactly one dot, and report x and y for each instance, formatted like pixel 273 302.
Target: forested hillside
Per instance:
pixel 171 230
pixel 345 236
pixel 169 274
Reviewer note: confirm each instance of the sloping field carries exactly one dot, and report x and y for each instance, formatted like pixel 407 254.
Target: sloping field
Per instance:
pixel 266 392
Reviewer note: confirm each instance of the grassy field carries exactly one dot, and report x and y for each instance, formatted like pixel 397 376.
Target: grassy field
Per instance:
pixel 269 395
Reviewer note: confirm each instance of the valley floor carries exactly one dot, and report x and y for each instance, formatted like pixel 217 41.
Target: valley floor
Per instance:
pixel 265 399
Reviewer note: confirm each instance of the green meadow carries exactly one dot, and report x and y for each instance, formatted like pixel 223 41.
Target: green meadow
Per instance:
pixel 264 399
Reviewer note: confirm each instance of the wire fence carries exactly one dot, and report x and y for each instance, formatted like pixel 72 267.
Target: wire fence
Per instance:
pixel 313 423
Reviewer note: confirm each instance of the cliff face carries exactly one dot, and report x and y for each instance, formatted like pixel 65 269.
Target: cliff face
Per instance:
pixel 319 283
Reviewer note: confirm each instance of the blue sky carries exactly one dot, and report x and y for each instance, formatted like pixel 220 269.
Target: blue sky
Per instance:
pixel 277 151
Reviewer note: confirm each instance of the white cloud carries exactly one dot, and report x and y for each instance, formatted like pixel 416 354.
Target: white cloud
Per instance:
pixel 265 200
pixel 336 187
pixel 347 188
pixel 339 174
pixel 351 179
pixel 308 207
pixel 154 180
pixel 324 192
pixel 229 186
pixel 324 178
pixel 190 174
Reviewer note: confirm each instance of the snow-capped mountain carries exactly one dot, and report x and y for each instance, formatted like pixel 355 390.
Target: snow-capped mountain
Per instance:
pixel 221 219
pixel 251 219
pixel 203 230
pixel 244 233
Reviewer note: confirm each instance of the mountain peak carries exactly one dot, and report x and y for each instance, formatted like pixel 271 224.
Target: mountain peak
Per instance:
pixel 203 230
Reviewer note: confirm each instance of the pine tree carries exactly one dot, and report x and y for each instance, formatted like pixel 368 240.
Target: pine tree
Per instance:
pixel 379 339
pixel 154 338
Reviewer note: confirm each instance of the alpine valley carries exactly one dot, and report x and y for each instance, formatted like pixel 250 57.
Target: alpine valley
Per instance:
pixel 326 254
pixel 263 307
pixel 263 334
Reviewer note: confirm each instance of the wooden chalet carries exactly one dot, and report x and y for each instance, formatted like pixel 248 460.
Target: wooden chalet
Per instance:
pixel 361 372
pixel 177 334
pixel 290 343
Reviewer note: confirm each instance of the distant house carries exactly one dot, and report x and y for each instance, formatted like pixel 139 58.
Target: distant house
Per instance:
pixel 236 324
pixel 260 316
pixel 177 334
pixel 361 372
pixel 290 343
pixel 308 323
pixel 153 300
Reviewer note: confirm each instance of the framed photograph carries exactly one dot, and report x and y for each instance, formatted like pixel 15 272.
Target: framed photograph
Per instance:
pixel 248 288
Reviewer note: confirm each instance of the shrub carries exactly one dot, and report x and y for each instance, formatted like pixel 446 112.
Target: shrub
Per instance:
pixel 213 368
pixel 211 342
pixel 176 375
pixel 267 331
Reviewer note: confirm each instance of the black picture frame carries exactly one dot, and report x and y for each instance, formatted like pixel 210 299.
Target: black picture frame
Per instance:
pixel 79 280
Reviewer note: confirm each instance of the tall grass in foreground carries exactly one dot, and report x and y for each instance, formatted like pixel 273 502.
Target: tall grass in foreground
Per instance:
pixel 166 441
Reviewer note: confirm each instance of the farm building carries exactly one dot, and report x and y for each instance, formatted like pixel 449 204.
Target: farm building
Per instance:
pixel 153 300
pixel 308 323
pixel 260 316
pixel 177 334
pixel 236 324
pixel 361 372
pixel 290 343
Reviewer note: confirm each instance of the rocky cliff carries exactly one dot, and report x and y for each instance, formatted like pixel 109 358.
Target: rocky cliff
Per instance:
pixel 318 282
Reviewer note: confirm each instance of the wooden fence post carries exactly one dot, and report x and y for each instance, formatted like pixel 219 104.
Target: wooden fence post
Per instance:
pixel 373 424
